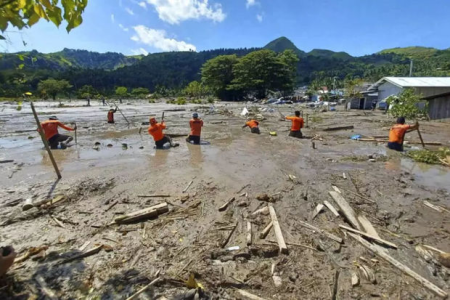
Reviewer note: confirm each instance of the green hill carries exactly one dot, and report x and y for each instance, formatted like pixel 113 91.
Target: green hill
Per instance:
pixel 283 43
pixel 412 52
pixel 330 54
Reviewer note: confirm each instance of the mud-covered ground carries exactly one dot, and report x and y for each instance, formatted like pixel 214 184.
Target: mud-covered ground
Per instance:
pixel 99 185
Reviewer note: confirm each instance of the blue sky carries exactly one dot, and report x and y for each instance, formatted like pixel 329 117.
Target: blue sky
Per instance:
pixel 358 27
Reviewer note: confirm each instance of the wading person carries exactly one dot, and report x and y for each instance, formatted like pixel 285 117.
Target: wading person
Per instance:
pixel 397 134
pixel 254 126
pixel 297 125
pixel 7 256
pixel 111 113
pixel 196 129
pixel 52 135
pixel 156 131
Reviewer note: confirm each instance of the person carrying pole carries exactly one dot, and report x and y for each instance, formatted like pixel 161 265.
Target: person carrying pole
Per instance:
pixel 50 128
pixel 254 126
pixel 196 129
pixel 398 132
pixel 156 131
pixel 111 113
pixel 297 125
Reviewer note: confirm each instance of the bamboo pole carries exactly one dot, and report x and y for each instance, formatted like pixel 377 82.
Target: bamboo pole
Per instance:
pixel 41 133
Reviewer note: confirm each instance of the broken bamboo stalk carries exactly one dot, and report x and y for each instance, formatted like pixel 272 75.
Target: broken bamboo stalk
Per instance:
pixel 331 208
pixel 346 209
pixel 320 231
pixel 435 207
pixel 367 226
pixel 93 251
pixel 266 231
pixel 377 239
pixel 249 233
pixel 154 196
pixel 149 212
pixel 225 205
pixel 317 210
pixel 45 289
pixel 58 222
pixel 134 296
pixel 278 233
pixel 225 242
pixel 432 287
pixel 187 187
pixel 249 296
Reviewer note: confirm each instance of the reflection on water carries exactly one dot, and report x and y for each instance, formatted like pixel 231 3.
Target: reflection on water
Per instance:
pixel 158 159
pixel 196 155
pixel 428 175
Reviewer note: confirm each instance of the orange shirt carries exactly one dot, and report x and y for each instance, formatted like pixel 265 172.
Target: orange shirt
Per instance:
pixel 397 133
pixel 50 128
pixel 157 131
pixel 297 123
pixel 196 126
pixel 252 124
pixel 110 116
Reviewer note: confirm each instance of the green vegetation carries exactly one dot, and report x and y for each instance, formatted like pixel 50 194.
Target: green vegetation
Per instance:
pixel 428 156
pixel 52 87
pixel 121 92
pixel 86 91
pixel 25 13
pixel 140 92
pixel 407 105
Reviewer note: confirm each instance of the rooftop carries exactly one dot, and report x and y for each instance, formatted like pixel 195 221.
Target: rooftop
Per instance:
pixel 413 82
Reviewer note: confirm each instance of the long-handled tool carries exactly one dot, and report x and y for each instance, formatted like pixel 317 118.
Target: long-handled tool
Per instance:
pixel 117 108
pixel 420 136
pixel 162 117
pixel 76 143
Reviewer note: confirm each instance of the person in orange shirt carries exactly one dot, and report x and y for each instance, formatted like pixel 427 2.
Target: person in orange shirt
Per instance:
pixel 111 113
pixel 254 126
pixel 196 129
pixel 52 135
pixel 397 134
pixel 297 125
pixel 156 131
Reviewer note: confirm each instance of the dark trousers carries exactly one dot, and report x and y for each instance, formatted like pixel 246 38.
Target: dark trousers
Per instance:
pixel 160 144
pixel 297 134
pixel 193 138
pixel 395 146
pixel 56 139
pixel 255 130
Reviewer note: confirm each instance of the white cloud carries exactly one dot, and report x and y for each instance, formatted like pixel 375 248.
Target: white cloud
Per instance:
pixel 139 51
pixel 123 28
pixel 176 11
pixel 142 4
pixel 157 39
pixel 259 17
pixel 250 3
pixel 128 10
pixel 112 18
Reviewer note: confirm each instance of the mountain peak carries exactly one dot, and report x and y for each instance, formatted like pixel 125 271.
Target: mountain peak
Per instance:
pixel 283 43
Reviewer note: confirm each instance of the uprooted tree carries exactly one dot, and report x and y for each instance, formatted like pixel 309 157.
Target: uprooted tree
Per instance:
pixel 407 104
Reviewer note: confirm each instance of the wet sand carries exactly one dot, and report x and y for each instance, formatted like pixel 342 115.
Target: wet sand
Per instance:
pixel 183 240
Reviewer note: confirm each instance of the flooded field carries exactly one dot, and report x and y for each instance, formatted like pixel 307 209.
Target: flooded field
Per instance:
pixel 103 183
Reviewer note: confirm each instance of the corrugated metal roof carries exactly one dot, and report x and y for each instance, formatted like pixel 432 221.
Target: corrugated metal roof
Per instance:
pixel 414 82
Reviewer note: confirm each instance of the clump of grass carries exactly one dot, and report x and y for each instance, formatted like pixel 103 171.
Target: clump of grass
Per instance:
pixel 315 119
pixel 181 101
pixel 428 156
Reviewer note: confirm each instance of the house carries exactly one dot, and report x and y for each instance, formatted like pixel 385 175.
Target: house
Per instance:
pixel 433 89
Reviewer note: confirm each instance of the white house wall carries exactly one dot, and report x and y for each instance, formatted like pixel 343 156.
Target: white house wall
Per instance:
pixel 388 89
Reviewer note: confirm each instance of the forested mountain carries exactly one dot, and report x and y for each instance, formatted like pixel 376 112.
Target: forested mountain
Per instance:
pixel 105 71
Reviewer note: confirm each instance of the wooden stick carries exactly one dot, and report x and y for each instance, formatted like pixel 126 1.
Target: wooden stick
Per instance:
pixel 249 233
pixel 187 187
pixel 320 231
pixel 60 224
pixel 381 241
pixel 435 207
pixel 84 246
pixel 367 226
pixel 266 231
pixel 346 209
pixel 83 255
pixel 134 296
pixel 154 196
pixel 400 266
pixel 247 295
pixel 338 128
pixel 331 208
pixel 335 285
pixel 121 112
pixel 225 205
pixel 45 289
pixel 433 249
pixel 420 136
pixel 225 242
pixel 278 233
pixel 44 140
pixel 242 188
pixel 76 140
pixel 149 212
pixel 317 211
pixel 296 244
